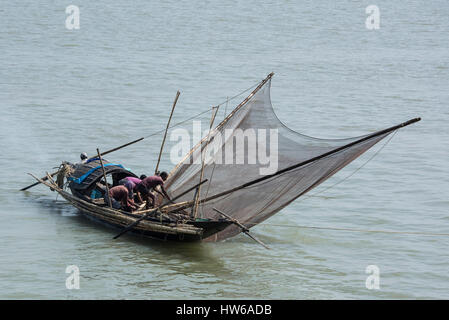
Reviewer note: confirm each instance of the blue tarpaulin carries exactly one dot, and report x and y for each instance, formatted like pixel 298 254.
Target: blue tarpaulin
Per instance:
pixel 88 173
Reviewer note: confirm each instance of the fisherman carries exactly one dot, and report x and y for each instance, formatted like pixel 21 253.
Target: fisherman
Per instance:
pixel 119 196
pixel 131 184
pixel 83 157
pixel 150 183
pixel 83 161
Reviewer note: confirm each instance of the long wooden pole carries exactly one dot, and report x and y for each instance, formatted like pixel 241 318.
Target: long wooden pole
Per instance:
pixel 303 163
pixel 203 155
pixel 36 183
pixel 104 153
pixel 166 129
pixel 105 181
pixel 245 230
pixel 120 147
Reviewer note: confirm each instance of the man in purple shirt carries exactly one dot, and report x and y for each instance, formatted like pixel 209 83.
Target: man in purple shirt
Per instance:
pixel 131 184
pixel 150 183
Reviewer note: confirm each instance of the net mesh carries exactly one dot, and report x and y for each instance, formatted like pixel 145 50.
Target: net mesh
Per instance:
pixel 249 144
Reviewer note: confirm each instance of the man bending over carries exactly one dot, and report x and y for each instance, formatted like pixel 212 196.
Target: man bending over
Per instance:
pixel 149 184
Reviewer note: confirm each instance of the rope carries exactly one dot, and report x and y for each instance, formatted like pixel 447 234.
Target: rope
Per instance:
pixel 355 230
pixel 203 154
pixel 177 124
pixel 239 94
pixel 210 182
pixel 226 108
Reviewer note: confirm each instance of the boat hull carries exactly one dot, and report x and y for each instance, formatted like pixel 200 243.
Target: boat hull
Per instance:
pixel 209 228
pixel 165 229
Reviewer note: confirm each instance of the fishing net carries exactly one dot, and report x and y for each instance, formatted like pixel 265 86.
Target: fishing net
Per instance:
pixel 252 143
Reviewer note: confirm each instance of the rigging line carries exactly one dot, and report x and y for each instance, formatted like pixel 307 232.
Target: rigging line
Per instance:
pixel 239 94
pixel 177 124
pixel 212 173
pixel 226 107
pixel 210 179
pixel 207 191
pixel 203 154
pixel 350 175
pixel 350 229
pixel 201 113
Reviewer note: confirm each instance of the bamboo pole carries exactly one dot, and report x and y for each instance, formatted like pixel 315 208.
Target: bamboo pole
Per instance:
pixel 119 147
pixel 104 153
pixel 245 230
pixel 203 155
pixel 105 180
pixel 192 212
pixel 303 163
pixel 166 129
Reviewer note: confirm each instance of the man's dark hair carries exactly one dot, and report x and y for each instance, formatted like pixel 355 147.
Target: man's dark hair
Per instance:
pixel 163 173
pixel 142 177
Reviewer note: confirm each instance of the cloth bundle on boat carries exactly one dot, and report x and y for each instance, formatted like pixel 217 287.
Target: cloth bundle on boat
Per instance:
pixel 85 175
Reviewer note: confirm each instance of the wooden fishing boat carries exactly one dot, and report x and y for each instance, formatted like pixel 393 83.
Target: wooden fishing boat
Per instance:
pixel 155 224
pixel 239 195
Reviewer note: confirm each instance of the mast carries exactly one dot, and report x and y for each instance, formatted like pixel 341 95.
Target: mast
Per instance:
pixel 166 129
